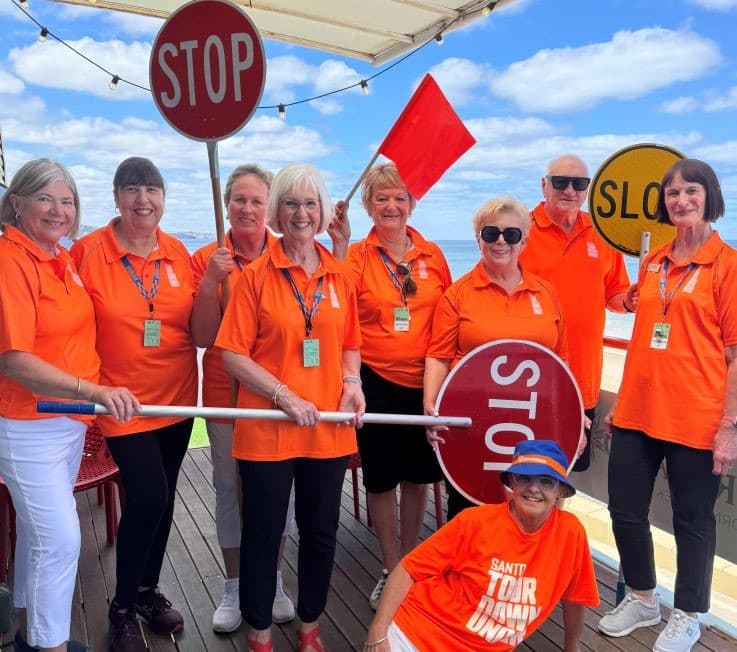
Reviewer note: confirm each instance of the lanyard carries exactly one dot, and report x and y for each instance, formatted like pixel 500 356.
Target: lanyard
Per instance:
pixel 393 275
pixel 149 295
pixel 665 300
pixel 307 314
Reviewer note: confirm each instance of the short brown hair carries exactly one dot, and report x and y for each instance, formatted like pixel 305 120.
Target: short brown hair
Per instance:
pixel 137 171
pixel 694 171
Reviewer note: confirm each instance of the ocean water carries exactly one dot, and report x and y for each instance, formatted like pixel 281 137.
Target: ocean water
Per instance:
pixel 462 255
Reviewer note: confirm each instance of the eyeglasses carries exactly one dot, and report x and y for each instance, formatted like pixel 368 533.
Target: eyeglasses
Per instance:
pixel 561 182
pixel 546 482
pixel 292 205
pixel 404 271
pixel 512 235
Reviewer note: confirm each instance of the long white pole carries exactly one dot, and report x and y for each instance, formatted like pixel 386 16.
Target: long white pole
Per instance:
pixel 60 407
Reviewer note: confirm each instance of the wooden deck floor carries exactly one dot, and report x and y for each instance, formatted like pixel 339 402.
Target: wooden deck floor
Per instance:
pixel 192 579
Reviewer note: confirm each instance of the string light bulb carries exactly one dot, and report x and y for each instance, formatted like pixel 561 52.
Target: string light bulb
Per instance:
pixel 114 82
pixel 43 34
pixel 24 4
pixel 439 38
pixel 489 8
pixel 364 86
pixel 282 112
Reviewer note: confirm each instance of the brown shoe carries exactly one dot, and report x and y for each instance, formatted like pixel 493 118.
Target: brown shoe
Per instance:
pixel 157 611
pixel 125 632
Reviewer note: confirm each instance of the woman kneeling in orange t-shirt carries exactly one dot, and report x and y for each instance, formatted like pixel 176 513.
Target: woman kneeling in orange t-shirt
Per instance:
pixel 490 577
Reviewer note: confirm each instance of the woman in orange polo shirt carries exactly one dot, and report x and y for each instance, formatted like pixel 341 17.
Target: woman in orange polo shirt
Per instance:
pixel 683 347
pixel 497 299
pixel 47 348
pixel 140 281
pixel 291 338
pixel 399 278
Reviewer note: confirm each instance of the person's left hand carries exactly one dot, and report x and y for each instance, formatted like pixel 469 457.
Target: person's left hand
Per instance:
pixel 582 441
pixel 725 448
pixel 353 400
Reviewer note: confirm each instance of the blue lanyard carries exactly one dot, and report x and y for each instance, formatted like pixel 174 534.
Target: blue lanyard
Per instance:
pixel 308 315
pixel 665 300
pixel 388 263
pixel 149 295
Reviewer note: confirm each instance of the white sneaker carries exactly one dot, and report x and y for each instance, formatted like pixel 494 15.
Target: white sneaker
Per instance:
pixel 282 611
pixel 378 589
pixel 628 615
pixel 227 617
pixel 679 634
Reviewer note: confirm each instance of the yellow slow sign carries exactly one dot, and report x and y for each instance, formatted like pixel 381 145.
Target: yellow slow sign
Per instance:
pixel 624 196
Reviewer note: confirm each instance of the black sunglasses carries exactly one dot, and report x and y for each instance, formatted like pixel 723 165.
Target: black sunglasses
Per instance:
pixel 512 235
pixel 561 183
pixel 409 286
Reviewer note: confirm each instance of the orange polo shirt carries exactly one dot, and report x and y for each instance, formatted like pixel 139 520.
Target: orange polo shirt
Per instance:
pixel 215 380
pixel 398 356
pixel 475 310
pixel 264 322
pixel 677 393
pixel 157 375
pixel 44 310
pixel 586 273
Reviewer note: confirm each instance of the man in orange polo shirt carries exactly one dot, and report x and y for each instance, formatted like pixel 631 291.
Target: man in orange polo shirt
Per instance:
pixel 588 275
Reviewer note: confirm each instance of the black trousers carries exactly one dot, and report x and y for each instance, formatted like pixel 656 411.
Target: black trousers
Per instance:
pixel 149 465
pixel 317 489
pixel 634 462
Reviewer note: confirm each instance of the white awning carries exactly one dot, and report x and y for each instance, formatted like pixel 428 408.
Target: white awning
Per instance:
pixel 371 30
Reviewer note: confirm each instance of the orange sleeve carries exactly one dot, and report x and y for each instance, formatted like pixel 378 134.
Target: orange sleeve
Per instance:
pixel 727 298
pixel 616 280
pixel 582 588
pixel 445 327
pixel 18 304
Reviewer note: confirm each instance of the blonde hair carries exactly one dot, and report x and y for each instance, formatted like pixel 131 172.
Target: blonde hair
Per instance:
pixel 384 175
pixel 505 204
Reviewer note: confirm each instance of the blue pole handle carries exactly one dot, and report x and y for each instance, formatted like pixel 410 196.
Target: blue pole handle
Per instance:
pixel 60 407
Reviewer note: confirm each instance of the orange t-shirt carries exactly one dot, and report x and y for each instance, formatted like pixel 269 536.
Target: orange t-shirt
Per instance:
pixel 44 310
pixel 264 321
pixel 483 584
pixel 157 375
pixel 586 273
pixel 692 370
pixel 216 382
pixel 475 310
pixel 398 356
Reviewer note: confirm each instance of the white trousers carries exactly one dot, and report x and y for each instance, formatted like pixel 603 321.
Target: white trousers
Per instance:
pixel 226 481
pixel 39 461
pixel 398 641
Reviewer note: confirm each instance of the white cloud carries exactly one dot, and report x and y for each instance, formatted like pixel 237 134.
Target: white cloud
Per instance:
pixel 327 106
pixel 332 74
pixel 284 72
pixel 576 79
pixel 711 101
pixel 50 64
pixel 10 84
pixel 715 5
pixel 133 24
pixel 460 79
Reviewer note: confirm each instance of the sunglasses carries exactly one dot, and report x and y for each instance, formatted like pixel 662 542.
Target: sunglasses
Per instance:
pixel 546 482
pixel 404 271
pixel 512 235
pixel 561 183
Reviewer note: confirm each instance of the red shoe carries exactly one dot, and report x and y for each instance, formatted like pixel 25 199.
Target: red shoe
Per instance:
pixel 258 646
pixel 311 640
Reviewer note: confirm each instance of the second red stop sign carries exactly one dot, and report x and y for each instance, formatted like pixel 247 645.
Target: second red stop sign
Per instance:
pixel 207 69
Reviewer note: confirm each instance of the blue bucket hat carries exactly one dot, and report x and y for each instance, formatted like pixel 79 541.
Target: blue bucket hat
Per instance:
pixel 539 457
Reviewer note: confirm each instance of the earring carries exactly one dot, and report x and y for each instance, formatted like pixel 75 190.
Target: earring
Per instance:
pixel 17 218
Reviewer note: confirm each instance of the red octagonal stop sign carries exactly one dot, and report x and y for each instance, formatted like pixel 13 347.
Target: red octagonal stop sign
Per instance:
pixel 512 390
pixel 207 69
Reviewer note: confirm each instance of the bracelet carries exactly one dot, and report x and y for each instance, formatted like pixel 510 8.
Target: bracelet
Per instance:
pixel 277 390
pixel 79 387
pixel 368 644
pixel 352 379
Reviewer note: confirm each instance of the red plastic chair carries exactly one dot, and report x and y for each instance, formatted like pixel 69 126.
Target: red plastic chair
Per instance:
pixel 97 469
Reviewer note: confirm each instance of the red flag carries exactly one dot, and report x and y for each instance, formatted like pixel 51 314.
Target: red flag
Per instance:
pixel 427 138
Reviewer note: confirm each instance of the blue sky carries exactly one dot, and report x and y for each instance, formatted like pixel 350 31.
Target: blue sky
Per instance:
pixel 534 80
